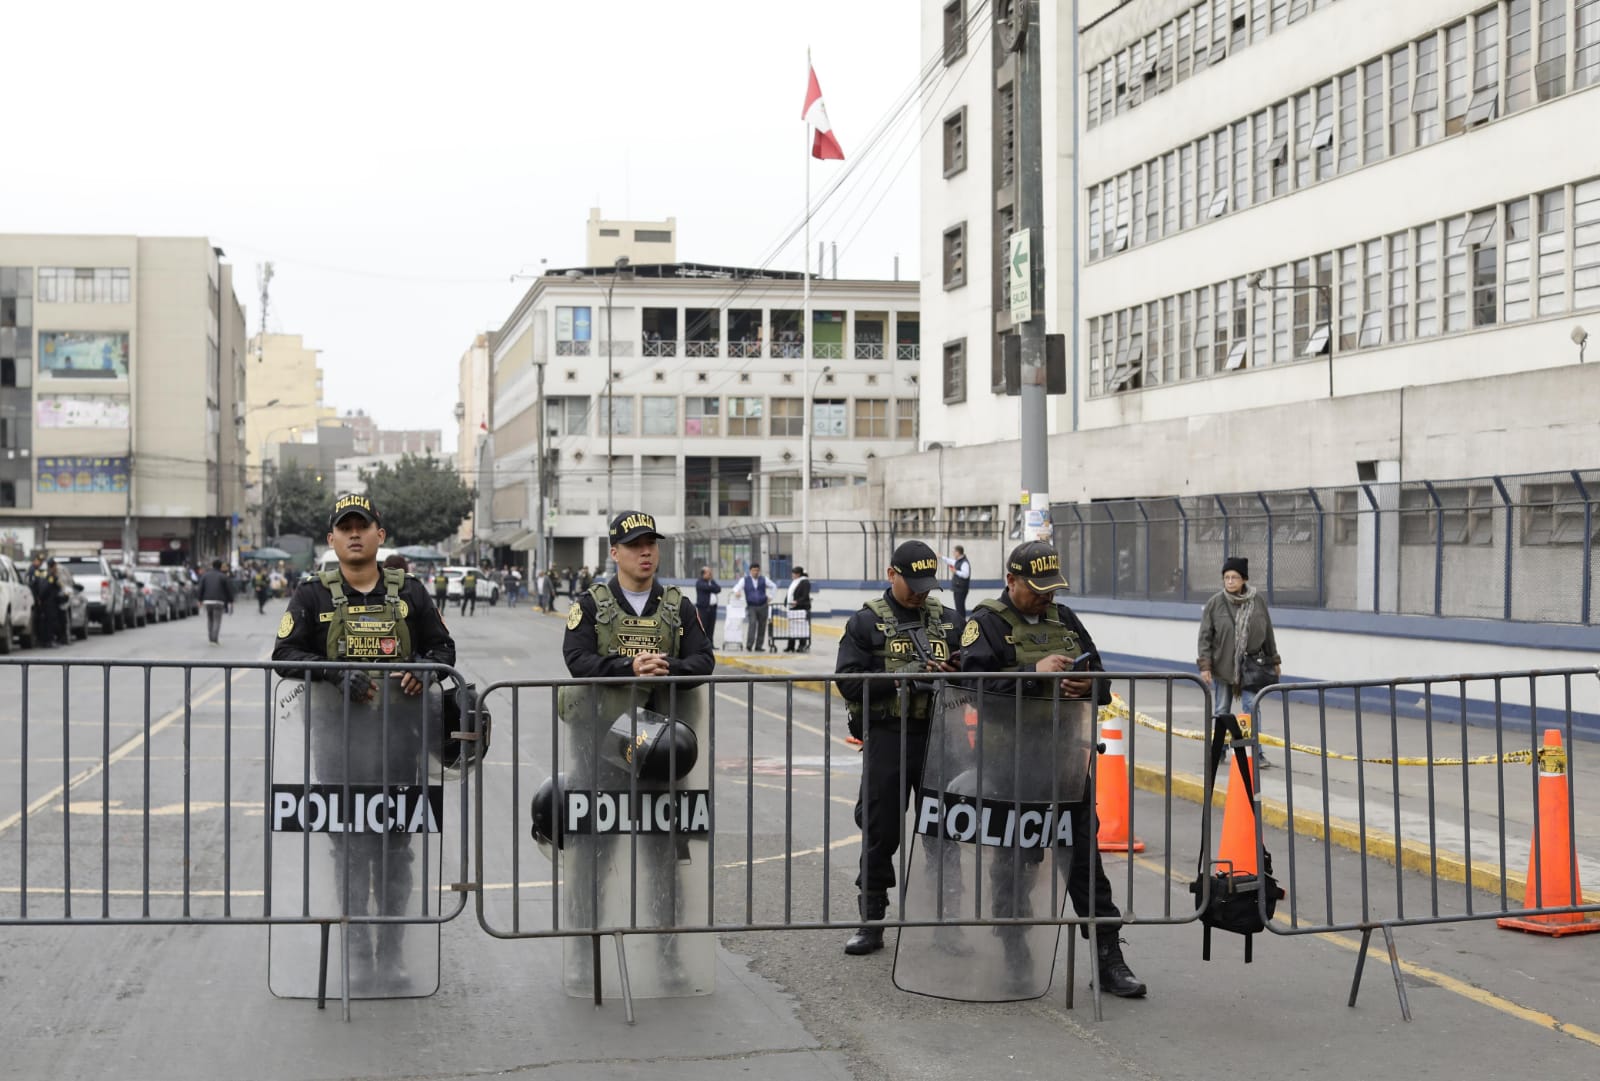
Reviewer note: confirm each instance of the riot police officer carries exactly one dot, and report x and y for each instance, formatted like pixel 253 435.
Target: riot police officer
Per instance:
pixel 1024 630
pixel 375 615
pixel 905 630
pixel 441 588
pixel 469 590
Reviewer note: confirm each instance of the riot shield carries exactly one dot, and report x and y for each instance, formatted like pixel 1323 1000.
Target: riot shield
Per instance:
pixel 635 822
pixel 992 837
pixel 355 821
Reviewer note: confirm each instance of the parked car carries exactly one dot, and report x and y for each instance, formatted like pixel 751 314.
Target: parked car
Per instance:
pixel 177 603
pixel 16 596
pixel 132 602
pixel 154 594
pixel 189 587
pixel 100 588
pixel 76 603
pixel 488 589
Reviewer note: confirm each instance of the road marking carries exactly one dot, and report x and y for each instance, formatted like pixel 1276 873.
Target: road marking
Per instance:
pixel 779 716
pixel 115 756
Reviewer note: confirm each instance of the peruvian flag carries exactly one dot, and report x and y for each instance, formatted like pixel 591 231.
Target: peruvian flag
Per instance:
pixel 823 144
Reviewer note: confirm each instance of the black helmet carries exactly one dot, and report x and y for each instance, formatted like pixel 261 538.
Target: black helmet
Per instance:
pixel 546 811
pixel 652 747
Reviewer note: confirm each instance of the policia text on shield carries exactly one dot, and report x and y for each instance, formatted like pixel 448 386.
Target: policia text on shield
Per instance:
pixel 366 744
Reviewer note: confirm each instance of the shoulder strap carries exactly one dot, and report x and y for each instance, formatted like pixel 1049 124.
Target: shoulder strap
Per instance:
pixel 605 604
pixel 1008 614
pixel 335 583
pixel 670 607
pixel 934 607
pixel 880 608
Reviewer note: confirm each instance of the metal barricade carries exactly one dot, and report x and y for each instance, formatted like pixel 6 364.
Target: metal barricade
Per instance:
pixel 145 793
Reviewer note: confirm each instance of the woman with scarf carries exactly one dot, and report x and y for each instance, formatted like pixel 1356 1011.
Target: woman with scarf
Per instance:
pixel 1235 622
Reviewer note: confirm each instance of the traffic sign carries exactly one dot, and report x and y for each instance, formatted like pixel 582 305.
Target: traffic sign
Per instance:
pixel 1019 275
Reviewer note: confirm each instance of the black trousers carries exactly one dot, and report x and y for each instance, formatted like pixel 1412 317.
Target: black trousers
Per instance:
pixel 886 788
pixel 959 594
pixel 1012 872
pixel 708 618
pixel 379 884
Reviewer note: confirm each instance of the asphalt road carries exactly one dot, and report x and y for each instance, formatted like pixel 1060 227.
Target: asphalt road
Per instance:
pixel 192 1001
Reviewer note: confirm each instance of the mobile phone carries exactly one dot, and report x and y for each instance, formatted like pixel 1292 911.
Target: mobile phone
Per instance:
pixel 1081 663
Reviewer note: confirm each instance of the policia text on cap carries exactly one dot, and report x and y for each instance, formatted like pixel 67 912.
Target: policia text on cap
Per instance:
pixel 905 630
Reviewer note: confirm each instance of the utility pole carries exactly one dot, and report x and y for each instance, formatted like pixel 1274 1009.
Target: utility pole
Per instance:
pixel 1019 29
pixel 542 508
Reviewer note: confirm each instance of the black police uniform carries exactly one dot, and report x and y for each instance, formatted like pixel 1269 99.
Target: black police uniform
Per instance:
pixel 580 648
pixel 888 740
pixel 987 647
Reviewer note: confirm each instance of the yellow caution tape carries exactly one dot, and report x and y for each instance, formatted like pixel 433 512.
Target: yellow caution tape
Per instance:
pixel 1118 710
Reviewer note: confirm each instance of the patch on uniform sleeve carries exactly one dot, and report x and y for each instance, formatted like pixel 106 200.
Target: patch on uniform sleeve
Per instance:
pixel 574 616
pixel 970 635
pixel 286 625
pixel 405 609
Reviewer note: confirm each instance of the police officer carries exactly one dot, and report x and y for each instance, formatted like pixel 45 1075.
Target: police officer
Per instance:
pixel 469 590
pixel 441 588
pixel 905 630
pixel 373 614
pixel 1024 630
pixel 262 583
pixel 51 602
pixel 632 626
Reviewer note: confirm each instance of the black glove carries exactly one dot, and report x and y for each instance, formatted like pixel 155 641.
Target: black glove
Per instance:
pixel 356 683
pixel 853 723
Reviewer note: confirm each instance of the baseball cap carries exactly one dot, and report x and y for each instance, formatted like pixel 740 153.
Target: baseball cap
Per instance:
pixel 918 565
pixel 352 503
pixel 631 525
pixel 1037 564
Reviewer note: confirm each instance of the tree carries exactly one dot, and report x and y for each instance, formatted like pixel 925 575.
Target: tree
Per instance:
pixel 422 500
pixel 298 502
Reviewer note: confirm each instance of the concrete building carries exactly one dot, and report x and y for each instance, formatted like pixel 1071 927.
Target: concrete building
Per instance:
pixel 284 405
pixel 474 415
pixel 606 241
pixel 371 439
pixel 707 393
pixel 121 379
pixel 347 471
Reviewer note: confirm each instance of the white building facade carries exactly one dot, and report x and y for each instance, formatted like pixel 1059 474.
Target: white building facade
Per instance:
pixel 707 392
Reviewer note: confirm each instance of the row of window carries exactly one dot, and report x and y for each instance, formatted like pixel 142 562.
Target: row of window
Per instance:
pixel 1201 37
pixel 838 418
pixel 1527 258
pixel 977 521
pixel 1442 84
pixel 87 285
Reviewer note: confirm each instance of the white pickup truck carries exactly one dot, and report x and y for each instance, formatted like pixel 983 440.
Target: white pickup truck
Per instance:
pixel 16 597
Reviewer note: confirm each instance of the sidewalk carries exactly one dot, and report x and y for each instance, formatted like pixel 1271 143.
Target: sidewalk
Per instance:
pixel 1457 808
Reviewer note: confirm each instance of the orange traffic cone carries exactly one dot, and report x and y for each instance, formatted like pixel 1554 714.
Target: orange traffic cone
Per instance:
pixel 1238 845
pixel 1553 880
pixel 1111 794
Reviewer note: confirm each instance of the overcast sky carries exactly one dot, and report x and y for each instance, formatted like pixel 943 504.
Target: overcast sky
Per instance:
pixel 399 162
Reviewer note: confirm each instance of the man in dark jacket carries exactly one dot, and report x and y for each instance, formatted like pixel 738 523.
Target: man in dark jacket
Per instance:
pixel 705 601
pixel 799 601
pixel 216 597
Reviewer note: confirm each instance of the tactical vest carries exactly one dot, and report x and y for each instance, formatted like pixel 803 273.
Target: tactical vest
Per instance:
pixel 441 583
pixel 618 634
pixel 368 632
pixel 469 584
pixel 1036 641
pixel 899 653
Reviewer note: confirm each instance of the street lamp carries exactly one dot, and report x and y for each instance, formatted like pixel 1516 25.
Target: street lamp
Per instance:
pixel 1325 292
pixel 277 516
pixel 620 269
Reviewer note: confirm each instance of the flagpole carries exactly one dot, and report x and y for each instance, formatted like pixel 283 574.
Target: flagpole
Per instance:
pixel 805 360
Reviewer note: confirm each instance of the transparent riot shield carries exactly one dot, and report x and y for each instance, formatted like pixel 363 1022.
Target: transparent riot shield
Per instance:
pixel 992 837
pixel 635 817
pixel 355 822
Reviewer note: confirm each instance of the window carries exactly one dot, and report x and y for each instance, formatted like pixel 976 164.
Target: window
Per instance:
pixel 573 331
pixel 660 416
pixel 955 142
pixel 905 418
pixel 1399 280
pixel 1551 74
pixel 788 417
pixel 618 419
pixel 611 232
pixel 1519 55
pixel 652 236
pixel 828 419
pixel 1464 515
pixel 1372 112
pixel 781 489
pixel 1552 269
pixel 1457 78
pixel 1400 100
pixel 1455 275
pixel 1586 42
pixel 1586 245
pixel 1425 92
pixel 955 371
pixel 955 256
pixel 1552 514
pixel 84 285
pixel 955 31
pixel 1517 291
pixel 872 418
pixel 970 521
pixel 1481 241
pixel 702 416
pixel 1349 123
pixel 744 416
pixel 567 416
pixel 1427 281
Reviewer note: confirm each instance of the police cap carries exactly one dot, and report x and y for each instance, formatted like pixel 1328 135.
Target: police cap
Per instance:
pixel 918 565
pixel 632 525
pixel 353 503
pixel 1037 564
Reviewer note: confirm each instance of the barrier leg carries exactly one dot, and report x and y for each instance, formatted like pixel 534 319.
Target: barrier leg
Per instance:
pixel 1072 962
pixel 322 971
pixel 1094 951
pixel 594 961
pixel 1394 965
pixel 344 965
pixel 1361 962
pixel 622 978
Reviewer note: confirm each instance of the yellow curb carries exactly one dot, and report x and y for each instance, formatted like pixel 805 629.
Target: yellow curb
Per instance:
pixel 1412 855
pixel 819 685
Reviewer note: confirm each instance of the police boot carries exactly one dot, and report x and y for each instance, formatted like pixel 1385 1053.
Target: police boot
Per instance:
pixel 872 906
pixel 1115 975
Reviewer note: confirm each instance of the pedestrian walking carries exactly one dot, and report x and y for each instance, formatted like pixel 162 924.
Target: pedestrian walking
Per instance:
pixel 1238 652
pixel 216 597
pixel 960 582
pixel 756 589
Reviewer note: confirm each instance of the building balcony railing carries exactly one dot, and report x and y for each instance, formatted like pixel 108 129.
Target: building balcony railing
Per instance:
pixel 660 348
pixel 869 350
pixel 619 347
pixel 744 350
pixel 784 350
pixel 908 352
pixel 572 349
pixel 701 349
pixel 827 350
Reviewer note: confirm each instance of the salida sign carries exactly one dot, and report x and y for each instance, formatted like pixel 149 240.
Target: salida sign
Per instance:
pixel 998 823
pixel 334 808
